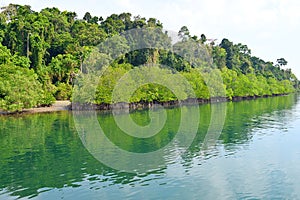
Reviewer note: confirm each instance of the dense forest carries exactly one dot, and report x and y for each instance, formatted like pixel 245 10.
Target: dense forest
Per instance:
pixel 43 53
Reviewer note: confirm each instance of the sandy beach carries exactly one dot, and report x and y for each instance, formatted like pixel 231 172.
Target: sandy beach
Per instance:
pixel 57 106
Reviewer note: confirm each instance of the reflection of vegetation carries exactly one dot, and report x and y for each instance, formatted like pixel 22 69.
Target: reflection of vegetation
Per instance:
pixel 44 150
pixel 40 151
pixel 246 115
pixel 141 145
pixel 242 117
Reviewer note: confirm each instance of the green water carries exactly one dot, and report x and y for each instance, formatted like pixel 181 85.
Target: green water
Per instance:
pixel 257 155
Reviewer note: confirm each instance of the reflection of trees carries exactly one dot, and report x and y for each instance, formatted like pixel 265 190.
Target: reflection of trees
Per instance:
pixel 241 118
pixel 44 151
pixel 39 151
pixel 141 145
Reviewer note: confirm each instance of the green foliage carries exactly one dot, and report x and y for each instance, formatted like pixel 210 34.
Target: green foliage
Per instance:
pixel 156 84
pixel 184 33
pixel 5 56
pixel 19 88
pixel 61 68
pixel 63 91
pixel 282 62
pixel 19 85
pixel 153 93
pixel 197 82
pixel 50 49
pixel 219 56
pixel 240 85
pixel 107 83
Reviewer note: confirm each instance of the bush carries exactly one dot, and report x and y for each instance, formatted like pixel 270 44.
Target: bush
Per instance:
pixel 19 88
pixel 63 91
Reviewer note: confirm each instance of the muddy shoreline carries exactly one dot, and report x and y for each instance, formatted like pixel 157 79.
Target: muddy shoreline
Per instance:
pixel 67 105
pixel 56 107
pixel 144 105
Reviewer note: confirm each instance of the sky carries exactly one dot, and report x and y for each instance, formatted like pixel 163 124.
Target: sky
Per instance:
pixel 270 28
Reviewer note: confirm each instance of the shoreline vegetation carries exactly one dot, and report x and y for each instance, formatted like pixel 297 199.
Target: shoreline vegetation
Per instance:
pixel 146 105
pixel 46 57
pixel 68 106
pixel 55 107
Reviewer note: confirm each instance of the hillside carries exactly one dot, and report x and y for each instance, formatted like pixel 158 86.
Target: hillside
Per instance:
pixel 43 53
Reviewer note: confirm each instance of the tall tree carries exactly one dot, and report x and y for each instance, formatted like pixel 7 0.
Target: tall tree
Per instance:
pixel 203 38
pixel 184 33
pixel 87 17
pixel 282 62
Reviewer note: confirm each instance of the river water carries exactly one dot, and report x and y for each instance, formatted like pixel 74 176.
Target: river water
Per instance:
pixel 249 151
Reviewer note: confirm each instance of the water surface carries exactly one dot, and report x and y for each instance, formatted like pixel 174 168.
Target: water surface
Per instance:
pixel 257 156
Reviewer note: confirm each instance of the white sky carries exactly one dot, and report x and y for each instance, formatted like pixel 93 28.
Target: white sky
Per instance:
pixel 270 28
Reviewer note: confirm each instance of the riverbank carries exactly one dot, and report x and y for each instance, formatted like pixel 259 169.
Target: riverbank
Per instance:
pixel 67 105
pixel 145 105
pixel 57 106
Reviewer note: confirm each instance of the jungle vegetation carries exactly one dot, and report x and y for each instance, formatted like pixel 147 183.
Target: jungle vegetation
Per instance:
pixel 42 53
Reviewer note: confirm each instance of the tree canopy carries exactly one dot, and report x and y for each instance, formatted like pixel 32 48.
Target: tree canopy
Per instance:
pixel 42 52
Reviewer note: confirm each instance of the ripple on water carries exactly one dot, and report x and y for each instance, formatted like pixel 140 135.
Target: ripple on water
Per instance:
pixel 256 157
